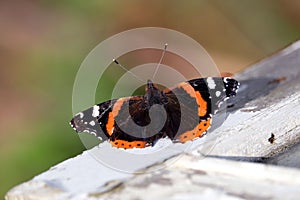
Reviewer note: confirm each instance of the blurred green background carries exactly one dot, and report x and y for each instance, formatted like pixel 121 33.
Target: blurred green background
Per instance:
pixel 43 43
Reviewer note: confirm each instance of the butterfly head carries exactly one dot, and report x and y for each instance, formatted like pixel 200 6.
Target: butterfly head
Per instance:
pixel 153 95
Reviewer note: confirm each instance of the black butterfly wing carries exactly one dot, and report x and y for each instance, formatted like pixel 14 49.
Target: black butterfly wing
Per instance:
pixel 216 90
pixel 192 103
pixel 132 124
pixel 125 122
pixel 93 120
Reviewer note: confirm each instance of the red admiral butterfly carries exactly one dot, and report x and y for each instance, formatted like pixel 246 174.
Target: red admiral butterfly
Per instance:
pixel 188 113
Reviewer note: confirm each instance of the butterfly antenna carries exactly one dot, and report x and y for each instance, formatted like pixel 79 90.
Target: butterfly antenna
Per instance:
pixel 159 63
pixel 119 64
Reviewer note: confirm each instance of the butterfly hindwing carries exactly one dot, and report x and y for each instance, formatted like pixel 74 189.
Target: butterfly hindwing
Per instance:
pixel 191 117
pixel 192 104
pixel 129 124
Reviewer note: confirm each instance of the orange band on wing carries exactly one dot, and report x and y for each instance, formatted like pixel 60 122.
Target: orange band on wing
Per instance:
pixel 128 145
pixel 110 123
pixel 196 132
pixel 202 104
pixel 202 109
pixel 111 116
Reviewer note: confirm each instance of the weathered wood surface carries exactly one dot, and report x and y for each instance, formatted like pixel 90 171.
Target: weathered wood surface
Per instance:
pixel 268 102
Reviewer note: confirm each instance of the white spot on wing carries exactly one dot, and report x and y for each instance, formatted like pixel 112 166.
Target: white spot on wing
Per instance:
pixel 95 111
pixel 81 115
pixel 211 83
pixel 218 93
pixel 225 79
pixel 219 104
pixel 92 123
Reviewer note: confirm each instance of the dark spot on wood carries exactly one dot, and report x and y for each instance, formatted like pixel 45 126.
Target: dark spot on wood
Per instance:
pixel 200 172
pixel 277 80
pixel 272 138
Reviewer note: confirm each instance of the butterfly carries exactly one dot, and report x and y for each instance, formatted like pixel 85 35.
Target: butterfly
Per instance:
pixel 181 113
